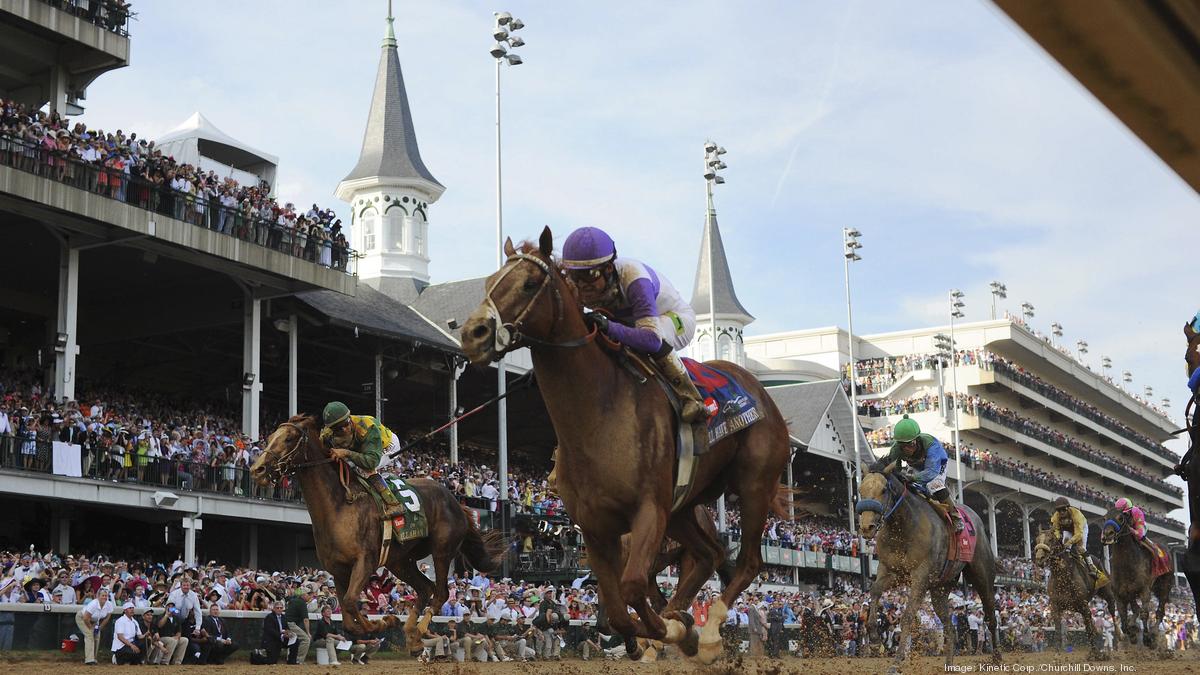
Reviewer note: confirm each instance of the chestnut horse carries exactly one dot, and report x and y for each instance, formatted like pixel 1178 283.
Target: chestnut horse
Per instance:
pixel 348 530
pixel 616 457
pixel 1189 468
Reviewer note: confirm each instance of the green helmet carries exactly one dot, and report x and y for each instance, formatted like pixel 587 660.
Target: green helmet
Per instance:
pixel 335 412
pixel 905 430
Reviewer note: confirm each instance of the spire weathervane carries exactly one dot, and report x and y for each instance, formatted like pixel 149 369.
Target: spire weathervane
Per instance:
pixel 390 40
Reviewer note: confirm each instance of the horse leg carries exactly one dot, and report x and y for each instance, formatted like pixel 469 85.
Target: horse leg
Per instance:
pixel 350 594
pixel 411 575
pixel 701 553
pixel 645 536
pixel 605 559
pixel 1110 601
pixel 917 587
pixel 939 598
pixel 1150 632
pixel 1095 642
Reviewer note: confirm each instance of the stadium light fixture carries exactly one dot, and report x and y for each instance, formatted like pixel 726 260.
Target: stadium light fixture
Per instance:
pixel 1056 329
pixel 999 291
pixel 1082 345
pixel 1127 377
pixel 850 249
pixel 1166 403
pixel 1027 311
pixel 1149 392
pixel 713 164
pixel 956 312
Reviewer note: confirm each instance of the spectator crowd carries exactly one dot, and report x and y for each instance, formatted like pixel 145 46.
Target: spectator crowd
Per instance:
pixel 133 170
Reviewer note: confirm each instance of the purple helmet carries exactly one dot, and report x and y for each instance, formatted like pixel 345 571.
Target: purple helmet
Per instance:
pixel 588 247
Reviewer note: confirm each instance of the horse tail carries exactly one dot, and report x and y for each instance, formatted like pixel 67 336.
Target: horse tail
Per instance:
pixel 483 551
pixel 781 501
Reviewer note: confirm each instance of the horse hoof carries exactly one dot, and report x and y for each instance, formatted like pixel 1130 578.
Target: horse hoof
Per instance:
pixel 649 655
pixel 690 644
pixel 708 652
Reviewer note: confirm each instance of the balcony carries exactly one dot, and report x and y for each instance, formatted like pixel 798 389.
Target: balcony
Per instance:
pixel 45 185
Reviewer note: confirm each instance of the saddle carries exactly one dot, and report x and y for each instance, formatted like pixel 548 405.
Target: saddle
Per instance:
pixel 412 525
pixel 731 409
pixel 960 546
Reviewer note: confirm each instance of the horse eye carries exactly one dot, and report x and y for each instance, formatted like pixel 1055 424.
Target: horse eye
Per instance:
pixel 530 286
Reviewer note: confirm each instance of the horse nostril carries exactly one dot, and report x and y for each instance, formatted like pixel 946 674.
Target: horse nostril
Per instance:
pixel 480 332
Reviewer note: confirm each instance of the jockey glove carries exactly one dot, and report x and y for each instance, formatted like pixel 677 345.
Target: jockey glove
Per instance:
pixel 598 320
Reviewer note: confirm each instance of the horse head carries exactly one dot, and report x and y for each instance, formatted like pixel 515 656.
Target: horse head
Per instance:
pixel 523 305
pixel 1116 525
pixel 1046 546
pixel 293 444
pixel 877 499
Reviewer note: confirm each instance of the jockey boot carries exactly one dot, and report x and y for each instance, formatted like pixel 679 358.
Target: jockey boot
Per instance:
pixel 690 400
pixel 952 511
pixel 391 506
pixel 1098 576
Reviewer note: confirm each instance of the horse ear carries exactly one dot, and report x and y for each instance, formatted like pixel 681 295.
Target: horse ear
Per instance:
pixel 887 470
pixel 509 250
pixel 1188 330
pixel 546 242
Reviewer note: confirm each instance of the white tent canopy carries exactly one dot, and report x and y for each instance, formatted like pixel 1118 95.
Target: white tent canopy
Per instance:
pixel 197 141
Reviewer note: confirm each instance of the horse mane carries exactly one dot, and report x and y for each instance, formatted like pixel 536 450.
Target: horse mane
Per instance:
pixel 303 418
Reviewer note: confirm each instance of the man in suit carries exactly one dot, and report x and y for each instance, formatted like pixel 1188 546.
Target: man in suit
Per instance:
pixel 219 645
pixel 275 634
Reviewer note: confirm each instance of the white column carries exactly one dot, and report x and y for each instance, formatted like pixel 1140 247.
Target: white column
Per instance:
pixel 251 362
pixel 458 371
pixel 64 536
pixel 991 506
pixel 58 89
pixel 68 315
pixel 293 366
pixel 379 387
pixel 1025 513
pixel 189 541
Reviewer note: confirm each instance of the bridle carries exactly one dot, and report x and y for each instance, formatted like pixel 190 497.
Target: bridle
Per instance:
pixel 876 506
pixel 1119 529
pixel 507 336
pixel 286 464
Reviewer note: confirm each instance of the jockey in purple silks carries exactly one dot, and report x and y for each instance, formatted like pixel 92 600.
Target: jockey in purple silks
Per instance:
pixel 648 314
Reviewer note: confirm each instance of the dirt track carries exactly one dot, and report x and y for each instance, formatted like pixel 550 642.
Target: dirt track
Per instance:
pixel 1048 662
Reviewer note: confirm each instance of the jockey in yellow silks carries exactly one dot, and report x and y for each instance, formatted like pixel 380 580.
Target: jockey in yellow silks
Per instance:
pixel 363 441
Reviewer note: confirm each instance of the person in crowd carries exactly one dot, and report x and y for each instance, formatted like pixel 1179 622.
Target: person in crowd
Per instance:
pixel 171 638
pixel 127 634
pixel 276 636
pixel 325 635
pixel 436 644
pixel 363 646
pixel 219 645
pixel 92 619
pixel 298 623
pixel 188 604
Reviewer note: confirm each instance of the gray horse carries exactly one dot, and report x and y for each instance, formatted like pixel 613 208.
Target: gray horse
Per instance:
pixel 1071 590
pixel 912 542
pixel 1132 583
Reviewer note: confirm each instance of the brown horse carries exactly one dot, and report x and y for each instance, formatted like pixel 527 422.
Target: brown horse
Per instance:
pixel 1189 468
pixel 1132 583
pixel 912 542
pixel 348 530
pixel 1071 590
pixel 616 458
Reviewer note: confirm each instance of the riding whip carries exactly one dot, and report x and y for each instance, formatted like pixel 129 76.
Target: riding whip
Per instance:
pixel 517 385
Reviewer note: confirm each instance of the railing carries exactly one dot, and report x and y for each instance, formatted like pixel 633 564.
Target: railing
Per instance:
pixel 108 14
pixel 104 464
pixel 1035 430
pixel 155 194
pixel 1071 403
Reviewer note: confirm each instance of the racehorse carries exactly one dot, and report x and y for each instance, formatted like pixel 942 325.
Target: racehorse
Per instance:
pixel 1132 583
pixel 912 544
pixel 1190 467
pixel 1071 589
pixel 616 436
pixel 348 530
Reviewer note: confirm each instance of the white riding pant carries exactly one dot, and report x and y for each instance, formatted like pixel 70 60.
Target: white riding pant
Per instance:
pixel 1068 535
pixel 387 459
pixel 676 327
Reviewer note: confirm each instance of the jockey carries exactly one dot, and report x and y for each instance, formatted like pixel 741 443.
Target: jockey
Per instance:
pixel 925 454
pixel 648 314
pixel 1068 524
pixel 362 441
pixel 1137 521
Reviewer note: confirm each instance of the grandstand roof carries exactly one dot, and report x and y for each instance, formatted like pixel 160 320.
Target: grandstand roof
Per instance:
pixel 379 314
pixel 725 300
pixel 389 148
pixel 453 300
pixel 807 406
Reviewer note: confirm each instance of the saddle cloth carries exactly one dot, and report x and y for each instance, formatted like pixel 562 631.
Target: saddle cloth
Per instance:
pixel 1160 562
pixel 962 544
pixel 730 406
pixel 413 524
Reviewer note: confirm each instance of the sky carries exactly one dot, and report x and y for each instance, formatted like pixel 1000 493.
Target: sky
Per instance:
pixel 961 151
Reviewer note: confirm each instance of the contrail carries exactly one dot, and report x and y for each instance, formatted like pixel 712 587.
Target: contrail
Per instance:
pixel 818 108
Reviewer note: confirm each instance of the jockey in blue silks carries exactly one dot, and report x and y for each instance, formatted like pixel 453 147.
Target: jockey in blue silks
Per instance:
pixel 648 314
pixel 928 457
